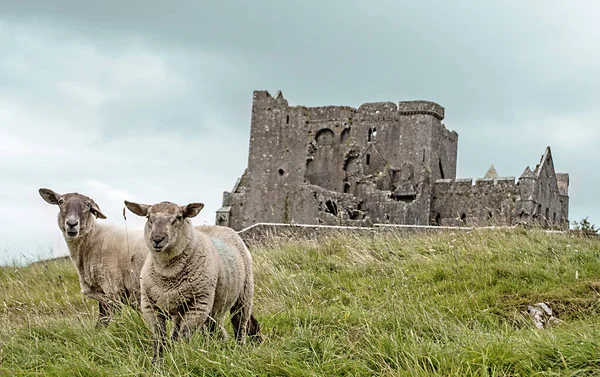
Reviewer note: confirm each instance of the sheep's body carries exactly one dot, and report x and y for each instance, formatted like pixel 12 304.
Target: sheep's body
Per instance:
pixel 108 262
pixel 108 259
pixel 198 278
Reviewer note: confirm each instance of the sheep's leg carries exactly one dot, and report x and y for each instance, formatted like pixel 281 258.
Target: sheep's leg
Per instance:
pixel 241 313
pixel 220 328
pixel 253 330
pixel 103 314
pixel 240 316
pixel 159 329
pixel 217 327
pixel 211 325
pixel 196 317
pixel 157 322
pixel 177 318
pixel 236 317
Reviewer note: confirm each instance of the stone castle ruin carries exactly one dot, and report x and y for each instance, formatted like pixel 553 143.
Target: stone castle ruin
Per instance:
pixel 382 163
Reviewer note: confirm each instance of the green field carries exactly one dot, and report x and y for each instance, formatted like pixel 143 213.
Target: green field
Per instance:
pixel 447 305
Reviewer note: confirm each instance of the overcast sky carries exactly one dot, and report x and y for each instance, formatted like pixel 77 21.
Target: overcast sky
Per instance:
pixel 151 100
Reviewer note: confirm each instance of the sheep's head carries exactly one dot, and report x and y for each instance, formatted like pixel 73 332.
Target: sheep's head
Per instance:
pixel 164 221
pixel 76 212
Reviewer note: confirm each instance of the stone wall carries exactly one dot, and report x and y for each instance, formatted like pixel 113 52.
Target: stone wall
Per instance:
pixel 460 202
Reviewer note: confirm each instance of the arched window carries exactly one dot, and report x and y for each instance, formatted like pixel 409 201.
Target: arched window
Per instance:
pixel 325 137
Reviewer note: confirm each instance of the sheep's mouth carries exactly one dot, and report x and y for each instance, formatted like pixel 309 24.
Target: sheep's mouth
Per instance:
pixel 72 233
pixel 158 247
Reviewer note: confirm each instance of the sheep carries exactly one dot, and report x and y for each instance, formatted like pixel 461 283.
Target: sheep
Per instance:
pixel 193 276
pixel 108 259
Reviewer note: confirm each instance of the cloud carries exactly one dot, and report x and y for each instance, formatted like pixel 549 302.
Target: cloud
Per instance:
pixel 153 100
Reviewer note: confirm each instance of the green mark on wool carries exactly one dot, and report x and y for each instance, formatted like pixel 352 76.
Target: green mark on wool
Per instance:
pixel 222 248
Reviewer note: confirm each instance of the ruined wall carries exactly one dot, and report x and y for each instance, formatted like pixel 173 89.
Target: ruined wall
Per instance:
pixel 407 203
pixel 549 209
pixel 563 191
pixel 444 152
pixel 460 202
pixel 382 163
pixel 329 140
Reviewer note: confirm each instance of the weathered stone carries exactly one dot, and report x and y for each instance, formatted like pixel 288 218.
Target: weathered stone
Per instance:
pixel 381 163
pixel 541 315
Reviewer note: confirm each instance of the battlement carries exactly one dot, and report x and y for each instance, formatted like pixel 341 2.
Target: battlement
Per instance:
pixel 387 110
pixel 421 107
pixel 263 98
pixel 500 181
pixel 378 107
pixel 463 185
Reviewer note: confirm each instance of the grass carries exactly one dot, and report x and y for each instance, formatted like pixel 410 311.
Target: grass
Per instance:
pixel 441 305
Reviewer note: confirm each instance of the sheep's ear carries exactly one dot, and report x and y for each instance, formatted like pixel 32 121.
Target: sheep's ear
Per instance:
pixel 192 209
pixel 138 209
pixel 95 210
pixel 49 195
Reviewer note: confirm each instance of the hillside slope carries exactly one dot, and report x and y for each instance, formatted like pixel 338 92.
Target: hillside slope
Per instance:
pixel 448 304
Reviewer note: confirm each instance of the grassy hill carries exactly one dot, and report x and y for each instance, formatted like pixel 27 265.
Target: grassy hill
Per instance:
pixel 447 305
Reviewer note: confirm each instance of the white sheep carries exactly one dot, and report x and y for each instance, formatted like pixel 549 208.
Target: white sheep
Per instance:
pixel 108 259
pixel 193 277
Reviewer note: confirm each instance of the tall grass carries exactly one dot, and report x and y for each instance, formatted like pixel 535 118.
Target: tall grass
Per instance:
pixel 447 305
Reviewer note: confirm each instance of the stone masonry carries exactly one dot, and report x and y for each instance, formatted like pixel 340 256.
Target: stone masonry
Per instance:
pixel 382 163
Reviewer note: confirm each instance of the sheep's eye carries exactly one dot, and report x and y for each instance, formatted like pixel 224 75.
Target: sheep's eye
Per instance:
pixel 89 205
pixel 61 201
pixel 176 219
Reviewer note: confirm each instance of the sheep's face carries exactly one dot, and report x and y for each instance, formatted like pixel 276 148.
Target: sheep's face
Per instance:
pixel 164 222
pixel 76 212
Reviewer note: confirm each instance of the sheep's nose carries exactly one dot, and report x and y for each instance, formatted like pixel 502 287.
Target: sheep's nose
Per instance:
pixel 158 239
pixel 72 223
